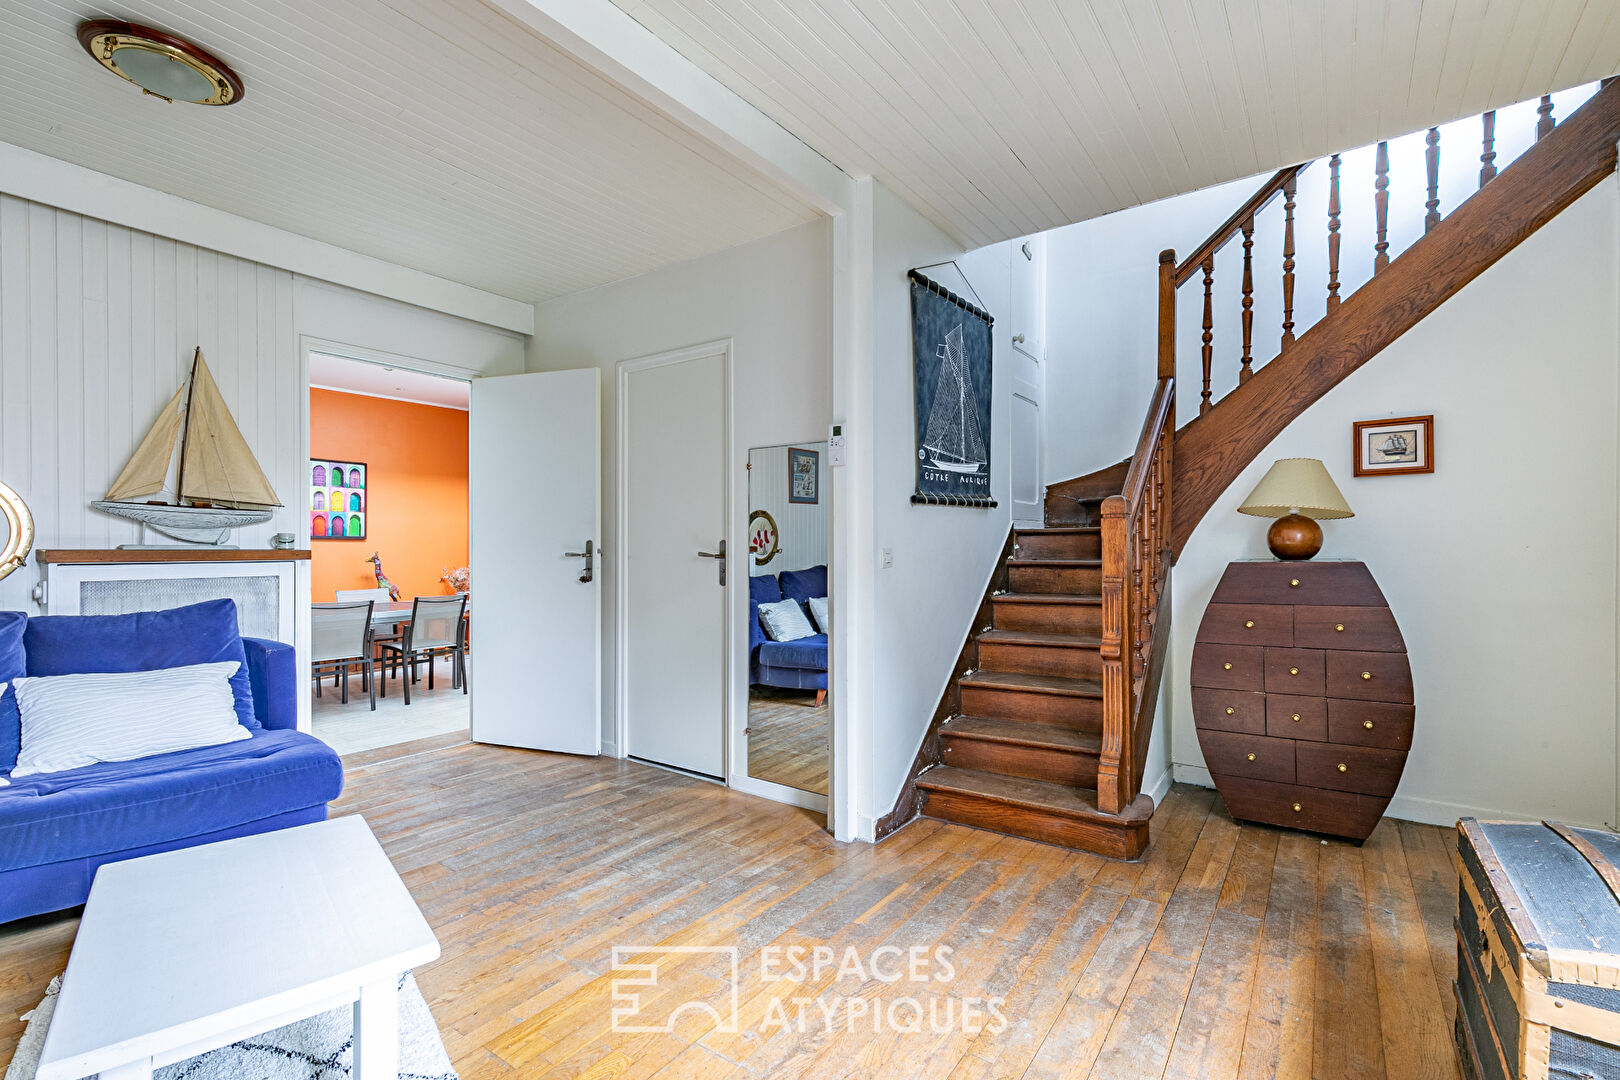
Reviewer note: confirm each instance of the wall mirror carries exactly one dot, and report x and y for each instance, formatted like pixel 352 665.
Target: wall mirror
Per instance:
pixel 787 605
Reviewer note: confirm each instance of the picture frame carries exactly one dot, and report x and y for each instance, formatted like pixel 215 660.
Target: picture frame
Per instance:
pixel 332 481
pixel 1397 446
pixel 804 475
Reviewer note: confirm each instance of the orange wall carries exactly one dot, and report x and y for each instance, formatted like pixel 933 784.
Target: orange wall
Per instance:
pixel 416 492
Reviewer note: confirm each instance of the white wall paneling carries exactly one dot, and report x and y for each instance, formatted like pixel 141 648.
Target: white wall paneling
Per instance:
pixel 801 527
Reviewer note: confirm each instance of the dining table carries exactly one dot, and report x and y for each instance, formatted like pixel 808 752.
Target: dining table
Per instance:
pixel 388 613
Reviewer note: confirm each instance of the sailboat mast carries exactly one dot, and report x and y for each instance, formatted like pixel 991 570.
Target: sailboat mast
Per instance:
pixel 185 428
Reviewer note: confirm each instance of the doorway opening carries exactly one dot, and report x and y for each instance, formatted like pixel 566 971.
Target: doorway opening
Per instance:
pixel 386 498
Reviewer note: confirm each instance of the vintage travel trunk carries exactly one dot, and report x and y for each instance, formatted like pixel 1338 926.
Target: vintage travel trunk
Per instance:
pixel 1538 951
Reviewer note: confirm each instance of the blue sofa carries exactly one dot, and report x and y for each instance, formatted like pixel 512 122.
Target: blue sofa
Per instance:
pixel 57 828
pixel 796 665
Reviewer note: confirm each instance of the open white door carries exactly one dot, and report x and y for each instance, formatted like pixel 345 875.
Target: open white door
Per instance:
pixel 534 459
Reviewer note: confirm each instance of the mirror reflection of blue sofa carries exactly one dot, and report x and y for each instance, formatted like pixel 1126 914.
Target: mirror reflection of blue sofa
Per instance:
pixel 792 665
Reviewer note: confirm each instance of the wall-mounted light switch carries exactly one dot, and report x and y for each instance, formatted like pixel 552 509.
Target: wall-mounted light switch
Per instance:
pixel 885 558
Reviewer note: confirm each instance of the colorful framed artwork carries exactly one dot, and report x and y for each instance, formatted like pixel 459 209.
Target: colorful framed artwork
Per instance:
pixel 337 499
pixel 804 475
pixel 1402 445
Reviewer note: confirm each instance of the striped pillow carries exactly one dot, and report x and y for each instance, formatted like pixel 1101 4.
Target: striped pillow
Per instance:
pixel 70 721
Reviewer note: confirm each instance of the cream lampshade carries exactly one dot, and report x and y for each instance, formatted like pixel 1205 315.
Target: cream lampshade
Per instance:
pixel 1295 491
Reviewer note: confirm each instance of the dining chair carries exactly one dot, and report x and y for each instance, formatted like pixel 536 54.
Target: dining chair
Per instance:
pixel 380 596
pixel 434 629
pixel 340 635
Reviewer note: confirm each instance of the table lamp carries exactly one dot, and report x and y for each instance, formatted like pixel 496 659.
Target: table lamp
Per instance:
pixel 1295 491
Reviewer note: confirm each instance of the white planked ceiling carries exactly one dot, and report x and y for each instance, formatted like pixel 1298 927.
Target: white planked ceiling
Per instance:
pixel 436 134
pixel 998 118
pixel 350 376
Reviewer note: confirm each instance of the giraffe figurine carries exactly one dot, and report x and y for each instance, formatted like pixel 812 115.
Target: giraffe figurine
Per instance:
pixel 382 582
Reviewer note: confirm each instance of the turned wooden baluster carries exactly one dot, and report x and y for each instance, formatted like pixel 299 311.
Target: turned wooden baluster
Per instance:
pixel 1248 302
pixel 1431 156
pixel 1288 262
pixel 1544 117
pixel 1487 155
pixel 1333 233
pixel 1209 330
pixel 1381 205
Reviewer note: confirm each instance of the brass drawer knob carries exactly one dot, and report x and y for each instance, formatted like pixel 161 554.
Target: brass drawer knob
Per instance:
pixel 1343 767
pixel 1367 724
pixel 1227 666
pixel 1249 625
pixel 1293 583
pixel 1293 671
pixel 1298 808
pixel 1366 674
pixel 1230 710
pixel 1298 718
pixel 1339 627
pixel 1251 757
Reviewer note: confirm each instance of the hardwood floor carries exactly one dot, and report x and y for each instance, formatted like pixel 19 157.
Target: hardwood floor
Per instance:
pixel 1226 951
pixel 788 738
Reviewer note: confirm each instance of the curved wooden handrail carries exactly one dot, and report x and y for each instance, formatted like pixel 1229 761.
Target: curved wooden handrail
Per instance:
pixel 1158 415
pixel 1219 238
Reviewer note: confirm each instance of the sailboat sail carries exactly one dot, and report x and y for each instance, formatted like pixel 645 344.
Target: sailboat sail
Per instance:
pixel 952 436
pixel 147 471
pixel 216 465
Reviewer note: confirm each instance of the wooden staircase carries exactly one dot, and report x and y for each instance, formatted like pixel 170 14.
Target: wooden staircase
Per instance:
pixel 1043 731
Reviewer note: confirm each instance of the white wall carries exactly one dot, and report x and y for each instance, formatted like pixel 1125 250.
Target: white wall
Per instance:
pixel 773 300
pixel 801 527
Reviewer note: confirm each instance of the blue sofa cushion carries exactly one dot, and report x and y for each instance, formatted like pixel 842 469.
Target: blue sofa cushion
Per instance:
pixel 801 585
pixel 143 641
pixel 809 652
pixel 764 589
pixel 124 805
pixel 12 666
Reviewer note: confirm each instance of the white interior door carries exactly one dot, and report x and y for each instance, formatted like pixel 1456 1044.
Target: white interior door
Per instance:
pixel 673 484
pixel 534 457
pixel 1025 366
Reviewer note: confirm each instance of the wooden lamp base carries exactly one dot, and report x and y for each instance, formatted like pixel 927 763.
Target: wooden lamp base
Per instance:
pixel 1294 537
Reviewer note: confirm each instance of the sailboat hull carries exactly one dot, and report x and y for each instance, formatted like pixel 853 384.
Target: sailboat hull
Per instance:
pixel 195 524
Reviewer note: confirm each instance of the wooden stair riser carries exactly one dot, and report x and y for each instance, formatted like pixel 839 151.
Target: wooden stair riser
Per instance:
pixel 1013 613
pixel 1073 580
pixel 1061 511
pixel 1077 768
pixel 1069 661
pixel 1116 841
pixel 1039 544
pixel 1062 710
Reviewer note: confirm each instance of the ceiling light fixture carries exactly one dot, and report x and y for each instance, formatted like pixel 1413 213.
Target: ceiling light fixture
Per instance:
pixel 160 64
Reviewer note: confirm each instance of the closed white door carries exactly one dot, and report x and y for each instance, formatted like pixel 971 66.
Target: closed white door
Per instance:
pixel 673 483
pixel 534 484
pixel 1025 366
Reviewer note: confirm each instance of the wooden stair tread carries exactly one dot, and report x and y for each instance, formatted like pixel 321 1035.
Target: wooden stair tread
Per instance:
pixel 1022 733
pixel 1038 795
pixel 1058 564
pixel 1041 637
pixel 1039 684
pixel 1050 598
pixel 1058 530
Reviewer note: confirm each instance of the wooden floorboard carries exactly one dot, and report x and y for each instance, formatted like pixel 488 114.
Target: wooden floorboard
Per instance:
pixel 1227 951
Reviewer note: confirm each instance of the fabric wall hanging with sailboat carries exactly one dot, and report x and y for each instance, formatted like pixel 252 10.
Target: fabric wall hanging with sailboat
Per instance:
pixel 950 344
pixel 220 486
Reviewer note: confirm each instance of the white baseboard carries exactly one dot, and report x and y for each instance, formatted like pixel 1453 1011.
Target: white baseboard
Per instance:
pixel 1156 788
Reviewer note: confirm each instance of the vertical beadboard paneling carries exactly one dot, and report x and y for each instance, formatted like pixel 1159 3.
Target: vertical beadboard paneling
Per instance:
pixel 802 526
pixel 97 327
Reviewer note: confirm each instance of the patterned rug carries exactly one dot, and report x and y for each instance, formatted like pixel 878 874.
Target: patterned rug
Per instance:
pixel 320 1048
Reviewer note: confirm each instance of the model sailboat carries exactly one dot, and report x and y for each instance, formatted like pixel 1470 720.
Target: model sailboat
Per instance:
pixel 221 486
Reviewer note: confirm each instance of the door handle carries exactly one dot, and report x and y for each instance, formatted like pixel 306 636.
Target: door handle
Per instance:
pixel 589 555
pixel 719 557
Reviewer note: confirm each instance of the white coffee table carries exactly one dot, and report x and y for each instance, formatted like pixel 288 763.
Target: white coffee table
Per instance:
pixel 191 950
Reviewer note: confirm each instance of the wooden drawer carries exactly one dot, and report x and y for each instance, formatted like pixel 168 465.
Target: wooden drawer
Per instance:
pixel 1350 768
pixel 1370 629
pixel 1368 676
pixel 1294 671
pixel 1253 756
pixel 1230 710
pixel 1248 624
pixel 1228 667
pixel 1370 723
pixel 1297 717
pixel 1298 583
pixel 1338 813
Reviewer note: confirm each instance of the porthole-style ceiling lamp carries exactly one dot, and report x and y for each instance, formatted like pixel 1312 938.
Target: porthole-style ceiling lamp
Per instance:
pixel 160 64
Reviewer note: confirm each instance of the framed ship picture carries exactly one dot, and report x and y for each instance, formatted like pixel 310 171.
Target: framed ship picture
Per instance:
pixel 337 499
pixel 804 476
pixel 950 345
pixel 1402 445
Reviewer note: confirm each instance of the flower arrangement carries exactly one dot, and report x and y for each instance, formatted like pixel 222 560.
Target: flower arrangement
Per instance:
pixel 457 579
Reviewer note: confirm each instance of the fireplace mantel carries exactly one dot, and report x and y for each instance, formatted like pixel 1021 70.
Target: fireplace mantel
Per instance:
pixel 83 556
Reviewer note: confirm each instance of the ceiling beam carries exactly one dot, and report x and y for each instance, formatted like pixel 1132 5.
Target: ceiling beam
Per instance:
pixel 610 42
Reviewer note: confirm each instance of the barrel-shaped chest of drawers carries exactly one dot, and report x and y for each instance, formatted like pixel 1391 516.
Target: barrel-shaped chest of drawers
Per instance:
pixel 1302 695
